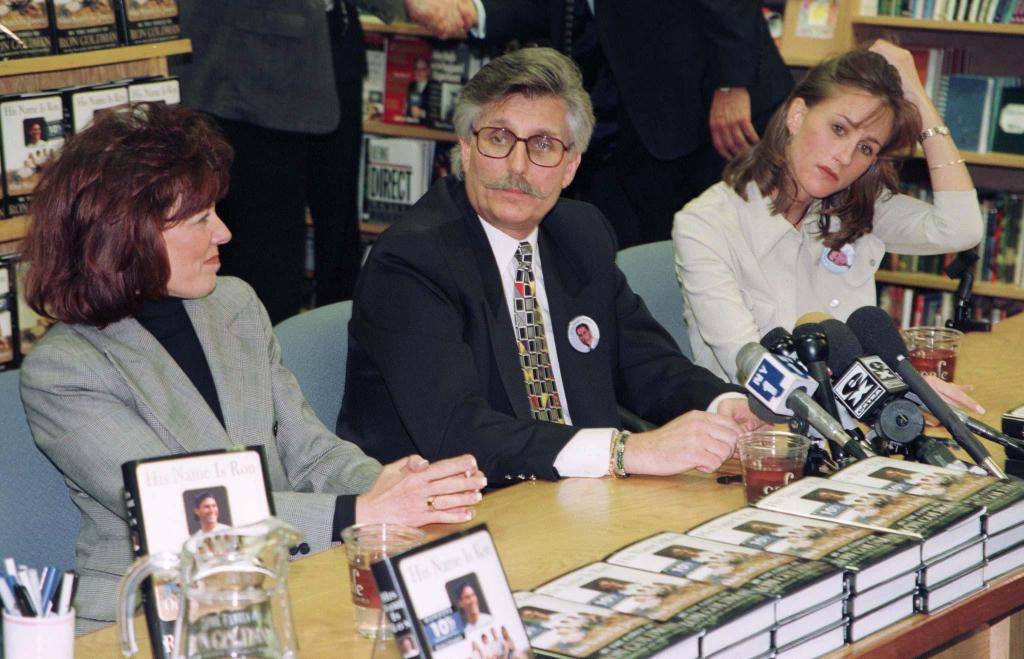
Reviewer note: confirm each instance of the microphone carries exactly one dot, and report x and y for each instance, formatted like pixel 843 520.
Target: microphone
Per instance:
pixel 779 341
pixel 812 350
pixel 784 386
pixel 980 428
pixel 876 332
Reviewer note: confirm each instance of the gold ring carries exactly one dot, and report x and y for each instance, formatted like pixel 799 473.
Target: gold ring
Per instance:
pixel 430 503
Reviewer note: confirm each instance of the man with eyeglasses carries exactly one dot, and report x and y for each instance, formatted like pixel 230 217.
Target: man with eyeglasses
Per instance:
pixel 465 313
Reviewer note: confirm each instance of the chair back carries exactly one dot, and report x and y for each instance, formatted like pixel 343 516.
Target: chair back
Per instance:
pixel 651 273
pixel 314 346
pixel 38 521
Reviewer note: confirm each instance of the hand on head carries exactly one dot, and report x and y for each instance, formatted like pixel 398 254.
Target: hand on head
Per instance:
pixel 416 492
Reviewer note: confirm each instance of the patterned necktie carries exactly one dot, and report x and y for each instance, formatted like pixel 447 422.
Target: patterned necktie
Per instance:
pixel 532 342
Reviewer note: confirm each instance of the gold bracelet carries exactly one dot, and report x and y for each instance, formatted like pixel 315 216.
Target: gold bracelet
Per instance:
pixel 959 161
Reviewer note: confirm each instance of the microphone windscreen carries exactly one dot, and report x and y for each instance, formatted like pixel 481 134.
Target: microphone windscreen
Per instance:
pixel 775 337
pixel 813 317
pixel 843 346
pixel 803 329
pixel 877 333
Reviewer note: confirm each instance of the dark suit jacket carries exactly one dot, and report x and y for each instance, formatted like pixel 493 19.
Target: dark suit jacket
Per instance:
pixel 667 58
pixel 433 366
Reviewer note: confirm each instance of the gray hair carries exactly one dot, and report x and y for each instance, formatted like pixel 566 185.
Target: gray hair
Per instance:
pixel 530 72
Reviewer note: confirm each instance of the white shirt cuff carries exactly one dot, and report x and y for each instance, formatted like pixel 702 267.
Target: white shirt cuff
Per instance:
pixel 586 455
pixel 479 30
pixel 713 407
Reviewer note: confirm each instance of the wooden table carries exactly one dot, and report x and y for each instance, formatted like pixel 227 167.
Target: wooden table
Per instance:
pixel 545 529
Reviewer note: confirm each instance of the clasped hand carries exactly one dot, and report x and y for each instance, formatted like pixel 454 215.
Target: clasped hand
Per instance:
pixel 415 492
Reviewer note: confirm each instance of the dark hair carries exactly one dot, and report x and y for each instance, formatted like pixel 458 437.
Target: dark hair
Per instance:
pixel 201 497
pixel 766 164
pixel 95 249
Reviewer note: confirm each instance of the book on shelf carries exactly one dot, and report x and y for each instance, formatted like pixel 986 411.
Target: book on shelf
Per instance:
pixel 563 629
pixel 967 107
pixel 395 173
pixel 1002 499
pixel 721 615
pixel 170 498
pixel 941 525
pixel 373 83
pixel 31 132
pixel 82 103
pixel 954 562
pixel 30 29
pixel 864 602
pixel 81 26
pixel 1008 123
pixel 148 21
pixel 811 623
pixel 158 89
pixel 425 594
pixel 407 84
pixel 451 67
pixel 8 311
pixel 795 584
pixel 998 542
pixel 870 558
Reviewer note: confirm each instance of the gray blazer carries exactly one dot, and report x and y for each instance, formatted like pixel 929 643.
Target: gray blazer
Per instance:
pixel 269 62
pixel 96 398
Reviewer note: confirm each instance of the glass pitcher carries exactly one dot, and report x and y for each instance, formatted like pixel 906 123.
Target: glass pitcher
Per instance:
pixel 234 593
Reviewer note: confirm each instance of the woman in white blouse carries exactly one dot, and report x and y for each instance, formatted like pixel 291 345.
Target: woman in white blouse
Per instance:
pixel 801 220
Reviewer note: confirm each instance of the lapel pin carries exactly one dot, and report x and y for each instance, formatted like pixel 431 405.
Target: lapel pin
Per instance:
pixel 584 334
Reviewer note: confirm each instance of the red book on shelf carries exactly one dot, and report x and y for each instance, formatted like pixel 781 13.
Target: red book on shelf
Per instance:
pixel 407 79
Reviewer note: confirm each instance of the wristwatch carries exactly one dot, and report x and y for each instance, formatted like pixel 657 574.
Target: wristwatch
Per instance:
pixel 934 130
pixel 724 90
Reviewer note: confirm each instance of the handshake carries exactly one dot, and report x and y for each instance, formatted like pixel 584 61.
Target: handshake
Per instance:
pixel 444 18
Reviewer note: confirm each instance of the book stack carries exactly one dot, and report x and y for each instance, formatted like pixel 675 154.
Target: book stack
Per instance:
pixel 973 11
pixel 950 532
pixel 809 595
pixel 1003 501
pixel 880 568
pixel 728 622
pixel 395 172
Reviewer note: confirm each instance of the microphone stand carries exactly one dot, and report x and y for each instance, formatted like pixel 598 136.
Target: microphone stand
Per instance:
pixel 962 319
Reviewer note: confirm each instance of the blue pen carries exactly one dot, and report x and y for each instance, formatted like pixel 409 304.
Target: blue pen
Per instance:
pixel 49 585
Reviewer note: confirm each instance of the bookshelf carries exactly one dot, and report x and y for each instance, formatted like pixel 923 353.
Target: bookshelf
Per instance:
pixel 54 71
pixel 417 132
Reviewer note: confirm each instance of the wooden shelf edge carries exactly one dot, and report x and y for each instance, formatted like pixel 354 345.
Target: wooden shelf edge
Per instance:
pixel 401 130
pixel 1004 29
pixel 94 57
pixel 940 282
pixel 374 24
pixel 13 228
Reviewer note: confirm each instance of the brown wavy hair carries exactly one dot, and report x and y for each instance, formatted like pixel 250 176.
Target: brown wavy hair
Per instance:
pixel 94 249
pixel 765 163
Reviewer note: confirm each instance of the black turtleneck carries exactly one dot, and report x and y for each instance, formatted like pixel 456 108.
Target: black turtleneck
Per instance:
pixel 169 323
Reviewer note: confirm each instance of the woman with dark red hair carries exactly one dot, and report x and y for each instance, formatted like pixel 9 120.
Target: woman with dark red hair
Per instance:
pixel 155 355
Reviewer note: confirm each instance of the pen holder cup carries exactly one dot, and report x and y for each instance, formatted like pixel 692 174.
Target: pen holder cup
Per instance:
pixel 50 637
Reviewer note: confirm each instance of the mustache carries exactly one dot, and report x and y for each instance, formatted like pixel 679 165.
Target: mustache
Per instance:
pixel 516 183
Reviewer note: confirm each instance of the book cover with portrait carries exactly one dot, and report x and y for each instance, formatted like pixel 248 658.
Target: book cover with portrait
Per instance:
pixel 149 21
pixel 942 525
pixel 796 584
pixel 721 615
pixel 868 557
pixel 166 90
pixel 82 103
pixel 407 83
pixel 451 600
pixel 85 25
pixel 452 64
pixel 561 628
pixel 1003 499
pixel 170 498
pixel 30 29
pixel 32 131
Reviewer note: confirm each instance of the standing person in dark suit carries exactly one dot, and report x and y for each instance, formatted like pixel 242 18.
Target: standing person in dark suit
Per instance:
pixel 460 336
pixel 678 88
pixel 283 79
